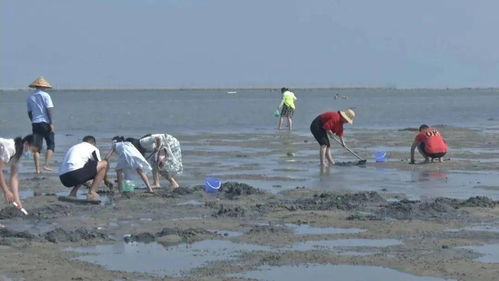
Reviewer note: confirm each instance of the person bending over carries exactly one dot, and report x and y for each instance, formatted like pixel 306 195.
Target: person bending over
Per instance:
pixel 327 125
pixel 129 160
pixel 11 151
pixel 430 144
pixel 82 163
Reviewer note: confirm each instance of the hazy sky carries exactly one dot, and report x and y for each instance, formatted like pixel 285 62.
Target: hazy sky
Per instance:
pixel 227 43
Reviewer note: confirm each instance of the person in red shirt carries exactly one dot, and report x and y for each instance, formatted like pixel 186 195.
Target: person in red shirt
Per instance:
pixel 429 143
pixel 330 124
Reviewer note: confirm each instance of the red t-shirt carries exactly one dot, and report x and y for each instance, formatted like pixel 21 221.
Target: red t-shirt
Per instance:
pixel 433 141
pixel 331 121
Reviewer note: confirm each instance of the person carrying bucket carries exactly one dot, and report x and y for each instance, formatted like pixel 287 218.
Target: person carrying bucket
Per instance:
pixel 327 125
pixel 130 160
pixel 164 154
pixel 287 108
pixel 11 151
pixel 430 144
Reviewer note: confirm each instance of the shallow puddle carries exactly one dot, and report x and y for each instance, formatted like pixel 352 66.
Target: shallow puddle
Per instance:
pixel 155 259
pixel 490 252
pixel 318 272
pixel 305 229
pixel 342 243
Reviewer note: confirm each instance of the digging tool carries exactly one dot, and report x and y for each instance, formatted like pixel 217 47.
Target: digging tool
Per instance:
pixel 361 161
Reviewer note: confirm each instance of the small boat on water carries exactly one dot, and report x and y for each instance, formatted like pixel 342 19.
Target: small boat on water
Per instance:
pixel 232 92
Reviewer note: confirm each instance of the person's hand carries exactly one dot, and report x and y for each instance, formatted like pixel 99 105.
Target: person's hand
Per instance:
pixel 52 128
pixel 9 197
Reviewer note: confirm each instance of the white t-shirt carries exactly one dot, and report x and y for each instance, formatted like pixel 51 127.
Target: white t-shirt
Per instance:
pixel 77 156
pixel 38 104
pixel 149 143
pixel 7 150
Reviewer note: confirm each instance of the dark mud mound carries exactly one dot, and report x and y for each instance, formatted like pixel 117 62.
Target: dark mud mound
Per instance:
pixel 10 212
pixel 50 211
pixel 233 212
pixel 331 201
pixel 232 190
pixel 144 237
pixel 60 235
pixel 7 233
pixel 178 192
pixel 186 234
pixel 479 201
pixel 269 229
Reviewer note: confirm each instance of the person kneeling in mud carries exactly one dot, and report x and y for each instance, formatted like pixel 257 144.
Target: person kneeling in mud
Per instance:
pixel 430 144
pixel 165 155
pixel 82 163
pixel 11 151
pixel 129 160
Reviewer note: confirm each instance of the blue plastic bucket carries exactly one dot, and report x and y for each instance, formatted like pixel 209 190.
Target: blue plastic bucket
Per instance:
pixel 212 185
pixel 380 156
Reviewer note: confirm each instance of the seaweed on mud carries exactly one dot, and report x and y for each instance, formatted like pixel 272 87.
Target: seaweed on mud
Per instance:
pixel 59 235
pixel 177 192
pixel 363 217
pixel 145 237
pixel 479 201
pixel 233 212
pixel 7 233
pixel 331 200
pixel 232 190
pixel 186 234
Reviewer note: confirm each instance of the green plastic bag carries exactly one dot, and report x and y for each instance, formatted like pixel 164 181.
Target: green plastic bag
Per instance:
pixel 277 113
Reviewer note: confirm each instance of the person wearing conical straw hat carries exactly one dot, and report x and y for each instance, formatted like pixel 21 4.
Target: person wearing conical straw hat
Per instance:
pixel 40 112
pixel 330 124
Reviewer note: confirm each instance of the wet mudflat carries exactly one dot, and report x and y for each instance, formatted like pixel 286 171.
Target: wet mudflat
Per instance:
pixel 277 214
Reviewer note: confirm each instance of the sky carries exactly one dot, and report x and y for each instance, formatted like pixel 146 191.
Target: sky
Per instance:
pixel 249 43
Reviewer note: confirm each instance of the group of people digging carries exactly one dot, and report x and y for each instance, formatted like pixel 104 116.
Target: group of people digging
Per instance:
pixel 429 142
pixel 159 153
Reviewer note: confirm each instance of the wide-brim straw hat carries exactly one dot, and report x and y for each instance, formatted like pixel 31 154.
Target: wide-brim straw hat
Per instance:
pixel 40 82
pixel 348 115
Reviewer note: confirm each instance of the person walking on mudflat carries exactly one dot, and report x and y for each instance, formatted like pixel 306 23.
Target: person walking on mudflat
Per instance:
pixel 287 108
pixel 430 144
pixel 40 112
pixel 327 125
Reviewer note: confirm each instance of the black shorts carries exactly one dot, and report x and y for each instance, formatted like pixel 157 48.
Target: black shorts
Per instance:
pixel 80 176
pixel 319 133
pixel 43 131
pixel 431 155
pixel 287 111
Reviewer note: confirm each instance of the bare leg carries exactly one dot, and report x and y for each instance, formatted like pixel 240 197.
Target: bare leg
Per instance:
pixel 329 157
pixel 74 191
pixel 119 177
pixel 290 123
pixel 36 157
pixel 101 173
pixel 279 127
pixel 48 158
pixel 155 177
pixel 173 182
pixel 422 152
pixel 440 159
pixel 14 185
pixel 145 179
pixel 322 156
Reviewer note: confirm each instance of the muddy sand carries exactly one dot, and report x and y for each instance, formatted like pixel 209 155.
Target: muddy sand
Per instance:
pixel 276 217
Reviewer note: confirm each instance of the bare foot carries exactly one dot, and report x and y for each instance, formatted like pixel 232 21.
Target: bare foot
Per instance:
pixel 93 196
pixel 325 165
pixel 156 186
pixel 47 168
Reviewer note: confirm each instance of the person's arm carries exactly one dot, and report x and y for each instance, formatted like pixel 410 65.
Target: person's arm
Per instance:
pixel 50 114
pixel 9 197
pixel 413 148
pixel 106 158
pixel 342 140
pixel 158 144
pixel 14 185
pixel 30 115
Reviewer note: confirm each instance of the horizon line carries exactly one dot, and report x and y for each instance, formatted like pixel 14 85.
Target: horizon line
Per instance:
pixel 252 88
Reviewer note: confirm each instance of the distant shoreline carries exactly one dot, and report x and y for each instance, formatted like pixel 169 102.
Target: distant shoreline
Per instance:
pixel 251 88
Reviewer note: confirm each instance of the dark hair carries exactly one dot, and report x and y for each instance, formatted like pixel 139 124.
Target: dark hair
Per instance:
pixel 284 89
pixel 137 145
pixel 89 139
pixel 119 139
pixel 423 127
pixel 19 143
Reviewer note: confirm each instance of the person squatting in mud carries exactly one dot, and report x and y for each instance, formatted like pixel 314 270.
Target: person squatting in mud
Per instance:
pixel 430 144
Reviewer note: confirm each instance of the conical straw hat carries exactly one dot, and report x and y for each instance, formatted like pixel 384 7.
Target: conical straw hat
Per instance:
pixel 348 115
pixel 40 82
